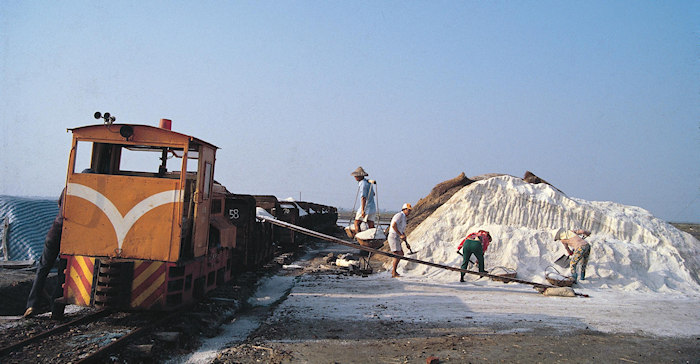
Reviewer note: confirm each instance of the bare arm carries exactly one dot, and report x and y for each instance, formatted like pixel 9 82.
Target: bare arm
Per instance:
pixel 400 234
pixel 567 248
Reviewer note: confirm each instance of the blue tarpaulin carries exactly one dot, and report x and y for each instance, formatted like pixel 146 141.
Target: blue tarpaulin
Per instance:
pixel 30 219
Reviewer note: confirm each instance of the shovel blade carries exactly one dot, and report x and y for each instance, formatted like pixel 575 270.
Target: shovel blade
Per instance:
pixel 562 261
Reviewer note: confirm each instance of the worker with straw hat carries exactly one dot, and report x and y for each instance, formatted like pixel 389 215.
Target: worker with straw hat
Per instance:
pixel 368 208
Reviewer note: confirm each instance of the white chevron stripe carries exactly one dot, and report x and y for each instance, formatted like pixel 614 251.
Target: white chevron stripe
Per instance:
pixel 122 224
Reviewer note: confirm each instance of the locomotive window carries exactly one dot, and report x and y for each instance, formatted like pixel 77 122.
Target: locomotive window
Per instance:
pixel 216 206
pixel 207 179
pixel 132 160
pixel 192 157
pixel 82 156
pixel 191 154
pixel 149 161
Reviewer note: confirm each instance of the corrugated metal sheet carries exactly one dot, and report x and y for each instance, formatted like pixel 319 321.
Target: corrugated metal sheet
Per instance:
pixel 30 220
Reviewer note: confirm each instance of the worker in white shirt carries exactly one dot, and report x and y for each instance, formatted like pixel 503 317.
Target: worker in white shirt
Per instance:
pixel 397 233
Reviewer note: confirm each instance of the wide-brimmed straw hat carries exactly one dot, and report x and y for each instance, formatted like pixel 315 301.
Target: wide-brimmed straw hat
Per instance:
pixel 557 233
pixel 359 172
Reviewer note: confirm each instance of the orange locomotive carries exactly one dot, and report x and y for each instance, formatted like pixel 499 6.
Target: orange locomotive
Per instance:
pixel 145 224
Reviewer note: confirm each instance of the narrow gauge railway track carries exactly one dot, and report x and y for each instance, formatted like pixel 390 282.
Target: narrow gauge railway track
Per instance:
pixel 71 343
pixel 85 340
pixel 51 332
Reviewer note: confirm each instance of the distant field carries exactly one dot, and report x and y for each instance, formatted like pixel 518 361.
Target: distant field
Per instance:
pixel 346 215
pixel 692 229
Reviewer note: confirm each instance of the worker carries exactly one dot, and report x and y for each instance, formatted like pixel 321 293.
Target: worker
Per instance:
pixel 368 208
pixel 476 244
pixel 52 244
pixel 576 247
pixel 397 234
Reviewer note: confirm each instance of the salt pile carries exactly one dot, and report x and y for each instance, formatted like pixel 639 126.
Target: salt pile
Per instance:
pixel 631 250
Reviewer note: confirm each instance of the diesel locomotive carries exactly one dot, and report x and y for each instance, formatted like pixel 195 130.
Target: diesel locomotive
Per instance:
pixel 146 226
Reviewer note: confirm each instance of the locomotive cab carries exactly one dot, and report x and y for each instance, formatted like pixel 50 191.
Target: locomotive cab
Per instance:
pixel 137 217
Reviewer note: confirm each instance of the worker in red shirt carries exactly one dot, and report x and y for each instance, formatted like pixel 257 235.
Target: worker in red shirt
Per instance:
pixel 475 243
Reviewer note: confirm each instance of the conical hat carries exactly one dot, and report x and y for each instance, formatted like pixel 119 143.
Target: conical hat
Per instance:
pixel 557 233
pixel 359 172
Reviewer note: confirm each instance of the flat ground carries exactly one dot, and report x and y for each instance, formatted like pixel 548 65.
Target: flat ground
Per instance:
pixel 328 317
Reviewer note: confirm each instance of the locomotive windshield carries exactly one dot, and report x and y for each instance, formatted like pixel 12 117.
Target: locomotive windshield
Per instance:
pixel 135 160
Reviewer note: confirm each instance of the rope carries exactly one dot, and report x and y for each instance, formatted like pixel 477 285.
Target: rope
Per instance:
pixel 376 202
pixel 352 216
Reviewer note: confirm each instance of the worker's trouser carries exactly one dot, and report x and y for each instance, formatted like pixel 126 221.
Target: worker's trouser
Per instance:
pixel 472 247
pixel 52 245
pixel 580 255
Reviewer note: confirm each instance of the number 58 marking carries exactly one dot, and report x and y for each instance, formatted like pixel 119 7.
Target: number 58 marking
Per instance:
pixel 233 214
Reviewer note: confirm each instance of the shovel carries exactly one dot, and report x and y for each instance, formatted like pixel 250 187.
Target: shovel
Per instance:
pixel 410 251
pixel 562 261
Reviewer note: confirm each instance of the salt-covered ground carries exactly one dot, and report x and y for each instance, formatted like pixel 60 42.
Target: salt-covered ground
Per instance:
pixel 488 306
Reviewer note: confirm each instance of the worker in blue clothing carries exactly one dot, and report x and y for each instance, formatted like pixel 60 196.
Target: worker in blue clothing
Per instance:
pixel 52 245
pixel 368 207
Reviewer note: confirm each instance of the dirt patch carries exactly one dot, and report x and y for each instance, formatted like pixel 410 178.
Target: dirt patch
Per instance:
pixel 453 346
pixel 15 285
pixel 692 229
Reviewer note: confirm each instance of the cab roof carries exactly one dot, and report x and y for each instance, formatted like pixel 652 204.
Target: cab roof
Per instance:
pixel 142 134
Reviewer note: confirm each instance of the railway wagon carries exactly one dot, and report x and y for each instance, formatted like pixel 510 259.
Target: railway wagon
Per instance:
pixel 290 212
pixel 145 225
pixel 321 218
pixel 254 240
pixel 278 234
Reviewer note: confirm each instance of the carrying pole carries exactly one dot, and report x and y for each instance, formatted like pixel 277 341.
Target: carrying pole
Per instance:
pixel 377 251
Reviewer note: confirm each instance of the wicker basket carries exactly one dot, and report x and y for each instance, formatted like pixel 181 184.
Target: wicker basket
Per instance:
pixel 555 278
pixel 503 272
pixel 371 243
pixel 567 282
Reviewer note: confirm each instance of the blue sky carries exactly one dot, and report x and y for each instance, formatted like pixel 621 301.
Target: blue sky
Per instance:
pixel 600 98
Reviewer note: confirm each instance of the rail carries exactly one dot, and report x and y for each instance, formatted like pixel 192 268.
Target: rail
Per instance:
pixel 56 330
pixel 99 355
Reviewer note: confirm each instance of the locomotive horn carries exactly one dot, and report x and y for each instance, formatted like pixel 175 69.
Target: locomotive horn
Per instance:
pixel 126 131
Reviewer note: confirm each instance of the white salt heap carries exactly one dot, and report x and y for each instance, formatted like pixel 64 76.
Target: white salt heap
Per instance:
pixel 631 250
